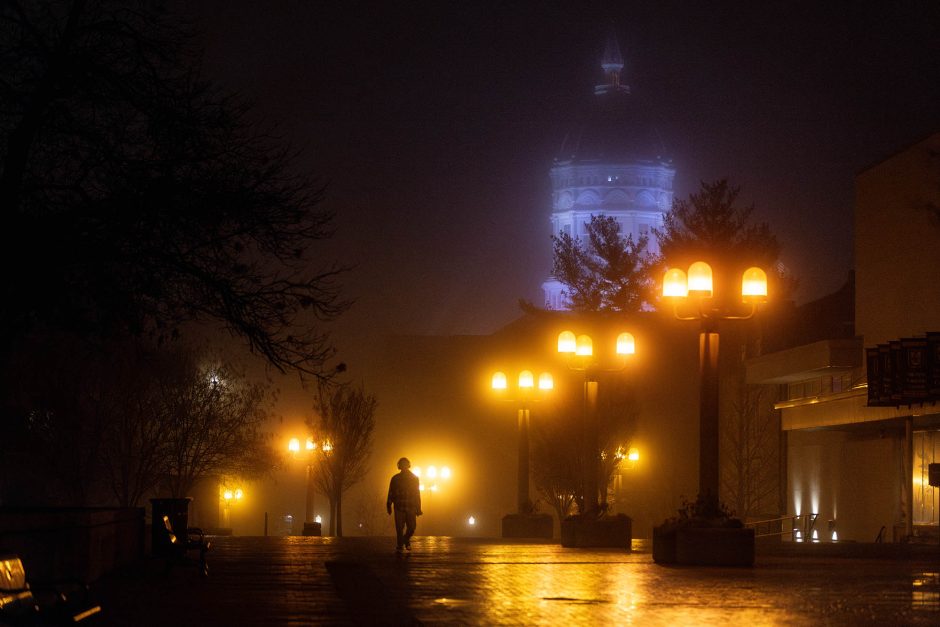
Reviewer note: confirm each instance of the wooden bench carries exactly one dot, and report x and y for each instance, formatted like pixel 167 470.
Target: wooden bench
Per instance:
pixel 178 546
pixel 56 603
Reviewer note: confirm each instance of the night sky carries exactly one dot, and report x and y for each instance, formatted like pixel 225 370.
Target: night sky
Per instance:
pixel 435 126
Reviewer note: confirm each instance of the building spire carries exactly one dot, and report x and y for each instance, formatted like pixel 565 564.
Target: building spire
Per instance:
pixel 612 64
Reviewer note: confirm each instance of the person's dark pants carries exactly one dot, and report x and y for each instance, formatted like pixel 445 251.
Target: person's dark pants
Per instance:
pixel 405 523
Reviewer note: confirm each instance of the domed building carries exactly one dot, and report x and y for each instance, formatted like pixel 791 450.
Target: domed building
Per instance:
pixel 612 163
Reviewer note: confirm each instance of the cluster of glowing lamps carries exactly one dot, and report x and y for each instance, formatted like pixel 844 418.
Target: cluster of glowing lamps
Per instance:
pixel 434 476
pixel 228 497
pixel 696 286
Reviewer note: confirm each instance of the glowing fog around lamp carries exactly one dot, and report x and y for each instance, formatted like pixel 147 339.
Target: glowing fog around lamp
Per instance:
pixel 566 342
pixel 700 278
pixel 546 382
pixel 675 284
pixel 754 285
pixel 294 445
pixel 499 381
pixel 633 455
pixel 311 445
pixel 626 344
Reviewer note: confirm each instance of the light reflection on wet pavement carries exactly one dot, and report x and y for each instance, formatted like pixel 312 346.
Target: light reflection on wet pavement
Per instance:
pixel 302 581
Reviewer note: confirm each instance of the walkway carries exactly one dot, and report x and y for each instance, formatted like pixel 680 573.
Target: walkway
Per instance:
pixel 310 581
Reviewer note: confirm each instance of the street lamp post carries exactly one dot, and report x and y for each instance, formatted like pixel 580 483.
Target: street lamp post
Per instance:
pixel 310 447
pixel 696 286
pixel 526 389
pixel 580 352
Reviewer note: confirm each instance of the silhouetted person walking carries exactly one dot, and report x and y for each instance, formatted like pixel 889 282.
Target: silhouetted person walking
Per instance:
pixel 404 492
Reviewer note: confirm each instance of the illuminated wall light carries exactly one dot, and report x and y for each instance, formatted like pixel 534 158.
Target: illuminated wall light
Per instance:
pixel 835 536
pixel 294 445
pixel 799 536
pixel 471 521
pixel 633 455
pixel 318 519
pixel 567 343
pixel 626 344
pixel 815 535
pixel 499 381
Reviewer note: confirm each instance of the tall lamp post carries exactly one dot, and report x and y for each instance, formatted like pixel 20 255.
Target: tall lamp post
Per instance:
pixel 580 352
pixel 526 390
pixel 692 298
pixel 309 451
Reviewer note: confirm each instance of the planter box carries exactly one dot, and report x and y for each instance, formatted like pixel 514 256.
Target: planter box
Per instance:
pixel 704 546
pixel 528 526
pixel 614 532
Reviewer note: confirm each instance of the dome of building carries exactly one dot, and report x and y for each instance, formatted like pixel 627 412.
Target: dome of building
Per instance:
pixel 612 163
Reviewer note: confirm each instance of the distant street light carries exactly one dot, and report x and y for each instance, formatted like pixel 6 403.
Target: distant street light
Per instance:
pixel 229 496
pixel 696 286
pixel 580 352
pixel 308 455
pixel 526 392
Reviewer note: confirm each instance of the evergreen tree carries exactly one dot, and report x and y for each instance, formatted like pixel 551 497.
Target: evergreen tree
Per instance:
pixel 607 272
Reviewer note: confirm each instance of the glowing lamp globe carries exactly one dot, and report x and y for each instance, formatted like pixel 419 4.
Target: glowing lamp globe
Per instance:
pixel 526 380
pixel 626 344
pixel 585 346
pixel 546 382
pixel 566 342
pixel 499 381
pixel 675 284
pixel 754 285
pixel 700 279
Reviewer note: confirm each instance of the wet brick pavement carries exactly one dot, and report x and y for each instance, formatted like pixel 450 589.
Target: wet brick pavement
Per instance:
pixel 312 581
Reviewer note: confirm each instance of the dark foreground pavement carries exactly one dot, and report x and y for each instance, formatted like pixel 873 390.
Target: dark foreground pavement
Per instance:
pixel 308 581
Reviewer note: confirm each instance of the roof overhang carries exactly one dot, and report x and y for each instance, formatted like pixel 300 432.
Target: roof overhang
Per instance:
pixel 806 362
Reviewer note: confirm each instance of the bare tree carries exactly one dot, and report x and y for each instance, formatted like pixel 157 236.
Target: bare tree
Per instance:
pixel 346 419
pixel 147 193
pixel 212 419
pixel 750 438
pixel 556 461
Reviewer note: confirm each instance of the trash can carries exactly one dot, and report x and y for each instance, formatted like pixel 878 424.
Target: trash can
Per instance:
pixel 177 510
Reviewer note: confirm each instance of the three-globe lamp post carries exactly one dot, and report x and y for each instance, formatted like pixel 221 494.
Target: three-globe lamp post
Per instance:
pixel 527 390
pixel 310 448
pixel 692 296
pixel 580 352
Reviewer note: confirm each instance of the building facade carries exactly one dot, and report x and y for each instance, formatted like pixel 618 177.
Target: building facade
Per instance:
pixel 861 432
pixel 612 163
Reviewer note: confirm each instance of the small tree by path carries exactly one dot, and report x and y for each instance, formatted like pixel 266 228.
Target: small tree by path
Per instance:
pixel 346 419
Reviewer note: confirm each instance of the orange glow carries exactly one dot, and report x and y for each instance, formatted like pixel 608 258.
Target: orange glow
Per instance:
pixel 294 445
pixel 311 445
pixel 546 382
pixel 633 455
pixel 566 342
pixel 754 285
pixel 700 278
pixel 526 380
pixel 585 346
pixel 626 344
pixel 499 381
pixel 675 284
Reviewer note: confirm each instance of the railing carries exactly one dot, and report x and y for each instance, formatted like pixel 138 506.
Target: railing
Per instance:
pixel 799 526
